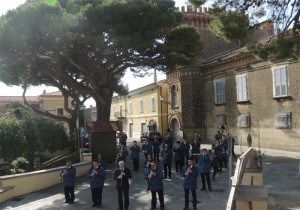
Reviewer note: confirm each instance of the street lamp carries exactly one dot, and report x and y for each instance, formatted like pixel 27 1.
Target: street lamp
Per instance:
pixel 161 117
pixel 78 108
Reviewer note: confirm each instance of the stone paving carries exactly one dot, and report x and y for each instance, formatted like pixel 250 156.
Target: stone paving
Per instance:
pixel 280 178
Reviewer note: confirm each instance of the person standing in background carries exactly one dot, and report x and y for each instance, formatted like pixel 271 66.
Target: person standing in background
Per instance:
pixel 135 155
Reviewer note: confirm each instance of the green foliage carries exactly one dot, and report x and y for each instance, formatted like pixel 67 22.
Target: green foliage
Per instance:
pixel 85 47
pixel 20 110
pixel 29 137
pixel 281 47
pixel 231 25
pixel 50 2
pixel 196 3
pixel 19 165
pixel 11 138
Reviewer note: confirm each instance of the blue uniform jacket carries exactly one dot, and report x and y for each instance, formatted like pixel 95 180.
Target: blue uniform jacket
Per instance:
pixel 222 150
pixel 69 178
pixel 204 163
pixel 97 181
pixel 178 153
pixel 168 154
pixel 135 152
pixel 195 147
pixel 190 180
pixel 155 182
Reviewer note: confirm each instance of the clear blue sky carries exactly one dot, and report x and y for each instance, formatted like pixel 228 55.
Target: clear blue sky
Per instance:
pixel 132 82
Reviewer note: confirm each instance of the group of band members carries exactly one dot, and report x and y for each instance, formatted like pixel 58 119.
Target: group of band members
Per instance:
pixel 189 165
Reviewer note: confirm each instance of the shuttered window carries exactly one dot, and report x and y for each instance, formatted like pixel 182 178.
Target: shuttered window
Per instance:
pixel 280 81
pixel 219 86
pixel 241 88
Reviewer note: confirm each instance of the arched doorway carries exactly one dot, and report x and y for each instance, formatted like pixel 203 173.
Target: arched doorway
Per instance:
pixel 175 129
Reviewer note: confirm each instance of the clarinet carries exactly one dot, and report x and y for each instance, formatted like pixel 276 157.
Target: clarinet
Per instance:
pixel 62 175
pixel 93 174
pixel 121 170
pixel 186 176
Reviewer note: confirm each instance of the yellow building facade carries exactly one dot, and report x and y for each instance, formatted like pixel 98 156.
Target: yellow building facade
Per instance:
pixel 143 109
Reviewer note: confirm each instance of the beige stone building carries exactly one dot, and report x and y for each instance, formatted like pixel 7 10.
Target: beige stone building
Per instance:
pixel 52 102
pixel 142 109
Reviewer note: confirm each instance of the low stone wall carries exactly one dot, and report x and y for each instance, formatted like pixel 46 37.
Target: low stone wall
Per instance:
pixel 21 184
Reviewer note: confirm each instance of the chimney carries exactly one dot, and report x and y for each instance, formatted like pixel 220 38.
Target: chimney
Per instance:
pixel 155 76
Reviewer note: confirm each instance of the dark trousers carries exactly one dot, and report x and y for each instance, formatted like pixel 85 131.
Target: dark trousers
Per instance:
pixel 205 176
pixel 97 195
pixel 167 170
pixel 178 165
pixel 160 197
pixel 146 155
pixel 122 192
pixel 215 168
pixel 186 197
pixel 69 194
pixel 220 160
pixel 156 156
pixel 224 160
pixel 135 164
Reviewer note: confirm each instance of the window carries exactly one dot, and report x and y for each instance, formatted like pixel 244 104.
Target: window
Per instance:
pixel 60 111
pixel 141 106
pixel 174 96
pixel 152 104
pixel 283 120
pixel 220 119
pixel 121 108
pixel 280 81
pixel 219 85
pixel 244 121
pixel 241 88
pixel 130 108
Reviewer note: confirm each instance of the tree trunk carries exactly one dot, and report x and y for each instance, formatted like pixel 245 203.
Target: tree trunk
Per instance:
pixel 103 109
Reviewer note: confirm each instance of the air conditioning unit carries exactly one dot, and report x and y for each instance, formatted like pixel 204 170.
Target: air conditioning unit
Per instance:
pixel 244 121
pixel 283 120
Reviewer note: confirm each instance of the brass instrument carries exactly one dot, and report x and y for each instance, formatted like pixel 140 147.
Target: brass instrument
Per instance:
pixel 212 156
pixel 117 158
pixel 222 127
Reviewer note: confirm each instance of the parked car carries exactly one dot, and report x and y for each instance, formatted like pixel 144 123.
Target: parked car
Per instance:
pixel 149 135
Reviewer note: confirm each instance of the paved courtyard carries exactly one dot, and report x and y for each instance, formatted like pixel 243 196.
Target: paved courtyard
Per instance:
pixel 280 178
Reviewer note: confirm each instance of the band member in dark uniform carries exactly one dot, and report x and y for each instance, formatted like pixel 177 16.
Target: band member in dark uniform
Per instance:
pixel 97 176
pixel 154 176
pixel 121 175
pixel 204 169
pixel 178 156
pixel 122 154
pixel 167 155
pixel 68 179
pixel 135 155
pixel 190 174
